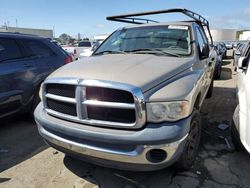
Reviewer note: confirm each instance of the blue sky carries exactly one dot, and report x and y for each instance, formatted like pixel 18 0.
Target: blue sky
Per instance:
pixel 88 16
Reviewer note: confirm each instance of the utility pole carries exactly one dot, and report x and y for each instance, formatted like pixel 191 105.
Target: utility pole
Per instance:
pixel 53 31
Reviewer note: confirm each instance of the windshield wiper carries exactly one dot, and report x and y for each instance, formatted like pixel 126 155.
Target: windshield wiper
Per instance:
pixel 109 52
pixel 153 51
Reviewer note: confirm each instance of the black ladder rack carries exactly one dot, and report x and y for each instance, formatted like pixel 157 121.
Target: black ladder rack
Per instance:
pixel 132 18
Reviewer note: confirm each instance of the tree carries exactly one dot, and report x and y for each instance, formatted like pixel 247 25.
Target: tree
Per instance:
pixel 65 38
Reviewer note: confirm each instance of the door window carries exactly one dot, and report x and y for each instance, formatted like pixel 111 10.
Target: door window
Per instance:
pixel 9 50
pixel 37 48
pixel 200 39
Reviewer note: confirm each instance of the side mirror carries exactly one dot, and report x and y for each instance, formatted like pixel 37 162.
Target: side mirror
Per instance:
pixel 242 63
pixel 204 51
pixel 237 53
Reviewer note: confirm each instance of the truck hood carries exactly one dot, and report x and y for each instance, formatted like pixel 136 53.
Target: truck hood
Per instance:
pixel 142 70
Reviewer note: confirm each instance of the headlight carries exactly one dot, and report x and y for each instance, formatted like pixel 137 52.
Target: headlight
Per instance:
pixel 167 111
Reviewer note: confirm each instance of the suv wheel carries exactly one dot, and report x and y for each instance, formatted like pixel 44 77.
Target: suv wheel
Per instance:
pixel 192 144
pixel 218 72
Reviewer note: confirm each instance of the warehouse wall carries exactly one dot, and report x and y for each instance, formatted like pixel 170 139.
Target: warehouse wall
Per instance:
pixel 223 34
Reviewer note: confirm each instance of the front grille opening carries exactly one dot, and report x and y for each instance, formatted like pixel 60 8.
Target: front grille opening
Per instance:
pixel 109 95
pixel 62 107
pixel 61 90
pixel 111 114
pixel 156 155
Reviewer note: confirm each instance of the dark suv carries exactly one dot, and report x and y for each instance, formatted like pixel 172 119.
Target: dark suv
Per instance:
pixel 25 61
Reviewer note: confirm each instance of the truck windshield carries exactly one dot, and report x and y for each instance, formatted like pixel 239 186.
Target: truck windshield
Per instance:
pixel 171 39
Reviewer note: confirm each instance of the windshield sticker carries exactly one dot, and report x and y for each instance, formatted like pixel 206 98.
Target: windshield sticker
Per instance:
pixel 178 27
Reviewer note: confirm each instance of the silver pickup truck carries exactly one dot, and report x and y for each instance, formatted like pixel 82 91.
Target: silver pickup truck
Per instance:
pixel 134 104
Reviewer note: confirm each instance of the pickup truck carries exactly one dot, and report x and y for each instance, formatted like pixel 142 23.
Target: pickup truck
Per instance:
pixel 135 103
pixel 75 51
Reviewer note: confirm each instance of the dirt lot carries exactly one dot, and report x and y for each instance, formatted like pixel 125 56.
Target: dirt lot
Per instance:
pixel 25 161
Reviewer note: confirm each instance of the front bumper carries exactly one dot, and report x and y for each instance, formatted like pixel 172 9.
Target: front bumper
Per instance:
pixel 124 149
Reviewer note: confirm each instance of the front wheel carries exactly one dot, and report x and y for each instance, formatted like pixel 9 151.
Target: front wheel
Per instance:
pixel 192 144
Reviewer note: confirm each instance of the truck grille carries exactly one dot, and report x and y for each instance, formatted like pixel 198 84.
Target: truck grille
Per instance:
pixel 108 95
pixel 62 107
pixel 61 90
pixel 95 104
pixel 111 114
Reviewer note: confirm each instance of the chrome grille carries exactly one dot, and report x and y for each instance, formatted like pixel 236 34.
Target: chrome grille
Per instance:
pixel 62 107
pixel 61 90
pixel 108 95
pixel 95 102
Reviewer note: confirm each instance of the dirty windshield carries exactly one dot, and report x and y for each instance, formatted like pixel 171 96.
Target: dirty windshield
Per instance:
pixel 169 39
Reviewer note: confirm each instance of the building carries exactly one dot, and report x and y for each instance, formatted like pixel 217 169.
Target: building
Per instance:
pixel 41 32
pixel 224 34
pixel 245 35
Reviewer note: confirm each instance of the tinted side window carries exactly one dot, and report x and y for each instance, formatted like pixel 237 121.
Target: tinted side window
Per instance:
pixel 9 49
pixel 200 39
pixel 37 48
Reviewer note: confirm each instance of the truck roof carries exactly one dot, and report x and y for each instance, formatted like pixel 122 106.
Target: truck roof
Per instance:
pixel 20 35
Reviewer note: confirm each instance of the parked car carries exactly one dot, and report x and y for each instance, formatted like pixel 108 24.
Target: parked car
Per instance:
pixel 241 120
pixel 97 42
pixel 229 45
pixel 25 61
pixel 221 49
pixel 218 62
pixel 135 103
pixel 241 51
pixel 88 52
pixel 77 50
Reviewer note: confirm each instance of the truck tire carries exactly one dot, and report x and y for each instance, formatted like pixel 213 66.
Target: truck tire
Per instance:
pixel 192 144
pixel 210 90
pixel 217 73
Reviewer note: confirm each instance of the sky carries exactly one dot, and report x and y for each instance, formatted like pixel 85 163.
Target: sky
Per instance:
pixel 88 17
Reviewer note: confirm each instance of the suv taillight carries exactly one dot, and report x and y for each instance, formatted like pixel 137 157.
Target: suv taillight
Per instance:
pixel 68 59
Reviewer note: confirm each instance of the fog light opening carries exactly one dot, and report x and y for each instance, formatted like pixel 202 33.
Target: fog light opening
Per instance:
pixel 156 155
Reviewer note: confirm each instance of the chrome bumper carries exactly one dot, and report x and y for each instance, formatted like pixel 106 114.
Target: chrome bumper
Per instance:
pixel 137 156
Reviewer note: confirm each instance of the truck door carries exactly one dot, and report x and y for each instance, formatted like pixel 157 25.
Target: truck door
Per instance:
pixel 206 63
pixel 245 108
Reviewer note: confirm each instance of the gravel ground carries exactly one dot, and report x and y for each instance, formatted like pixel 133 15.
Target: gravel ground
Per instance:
pixel 25 161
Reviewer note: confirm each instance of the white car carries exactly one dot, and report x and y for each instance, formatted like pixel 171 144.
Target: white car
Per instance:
pixel 241 125
pixel 77 50
pixel 88 52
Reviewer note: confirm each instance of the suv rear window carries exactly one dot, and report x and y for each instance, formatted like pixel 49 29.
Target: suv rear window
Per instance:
pixel 37 48
pixel 9 49
pixel 84 44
